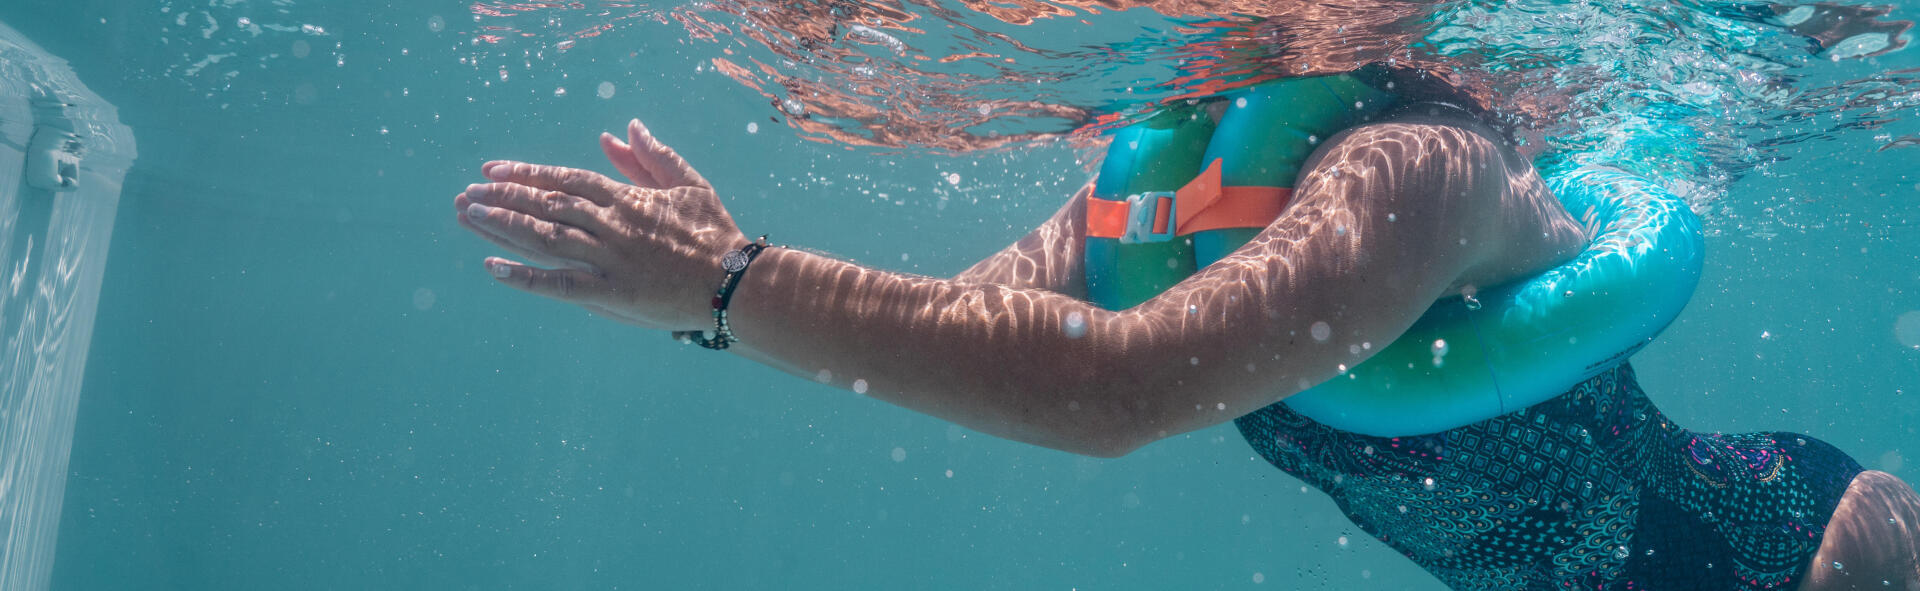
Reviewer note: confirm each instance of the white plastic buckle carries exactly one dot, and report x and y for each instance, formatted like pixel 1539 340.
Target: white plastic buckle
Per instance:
pixel 53 160
pixel 1141 208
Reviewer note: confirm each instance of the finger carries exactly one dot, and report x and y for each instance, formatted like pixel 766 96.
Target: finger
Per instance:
pixel 538 258
pixel 588 184
pixel 537 235
pixel 570 285
pixel 621 155
pixel 659 160
pixel 561 207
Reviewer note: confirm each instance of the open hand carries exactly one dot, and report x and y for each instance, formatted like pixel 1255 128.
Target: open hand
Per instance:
pixel 645 253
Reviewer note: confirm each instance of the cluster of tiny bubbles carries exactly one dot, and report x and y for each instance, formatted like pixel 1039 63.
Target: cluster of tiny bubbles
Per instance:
pixel 222 53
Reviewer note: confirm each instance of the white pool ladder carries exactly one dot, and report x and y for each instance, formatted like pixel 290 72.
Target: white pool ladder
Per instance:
pixel 63 156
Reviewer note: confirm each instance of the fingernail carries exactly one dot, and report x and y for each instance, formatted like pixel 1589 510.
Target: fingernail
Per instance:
pixel 497 172
pixel 501 270
pixel 476 211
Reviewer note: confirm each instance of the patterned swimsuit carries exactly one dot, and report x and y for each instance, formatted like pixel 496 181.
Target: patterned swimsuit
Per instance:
pixel 1593 489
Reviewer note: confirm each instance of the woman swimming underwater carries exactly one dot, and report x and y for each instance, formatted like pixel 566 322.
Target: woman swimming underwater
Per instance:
pixel 1408 222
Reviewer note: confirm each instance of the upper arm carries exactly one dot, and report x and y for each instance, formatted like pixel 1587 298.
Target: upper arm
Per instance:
pixel 1387 219
pixel 1051 257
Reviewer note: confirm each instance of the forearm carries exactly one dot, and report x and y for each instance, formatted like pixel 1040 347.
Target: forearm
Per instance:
pixel 1025 364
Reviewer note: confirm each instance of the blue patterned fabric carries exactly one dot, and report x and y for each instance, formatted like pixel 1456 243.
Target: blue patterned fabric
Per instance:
pixel 1593 489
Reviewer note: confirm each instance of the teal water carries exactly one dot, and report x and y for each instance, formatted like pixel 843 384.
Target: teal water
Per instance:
pixel 302 379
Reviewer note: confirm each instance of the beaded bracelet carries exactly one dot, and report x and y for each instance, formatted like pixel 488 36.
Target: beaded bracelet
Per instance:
pixel 735 264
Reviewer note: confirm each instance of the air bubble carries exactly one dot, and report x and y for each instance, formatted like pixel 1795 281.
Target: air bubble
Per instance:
pixel 1321 332
pixel 1076 325
pixel 1906 329
pixel 859 386
pixel 899 454
pixel 423 299
pixel 436 24
pixel 753 127
pixel 605 90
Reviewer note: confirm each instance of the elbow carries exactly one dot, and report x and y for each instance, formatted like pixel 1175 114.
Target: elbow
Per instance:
pixel 1108 449
pixel 1104 438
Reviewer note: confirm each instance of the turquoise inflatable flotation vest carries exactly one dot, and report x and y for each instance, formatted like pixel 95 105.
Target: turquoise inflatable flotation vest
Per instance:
pixel 1177 192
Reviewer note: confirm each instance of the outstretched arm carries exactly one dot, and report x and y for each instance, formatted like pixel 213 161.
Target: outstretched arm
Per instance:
pixel 1387 219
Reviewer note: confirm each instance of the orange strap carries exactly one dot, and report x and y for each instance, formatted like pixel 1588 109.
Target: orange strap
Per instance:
pixel 1202 205
pixel 1106 218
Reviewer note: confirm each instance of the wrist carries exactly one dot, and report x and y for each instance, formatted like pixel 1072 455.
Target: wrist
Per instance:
pixel 735 264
